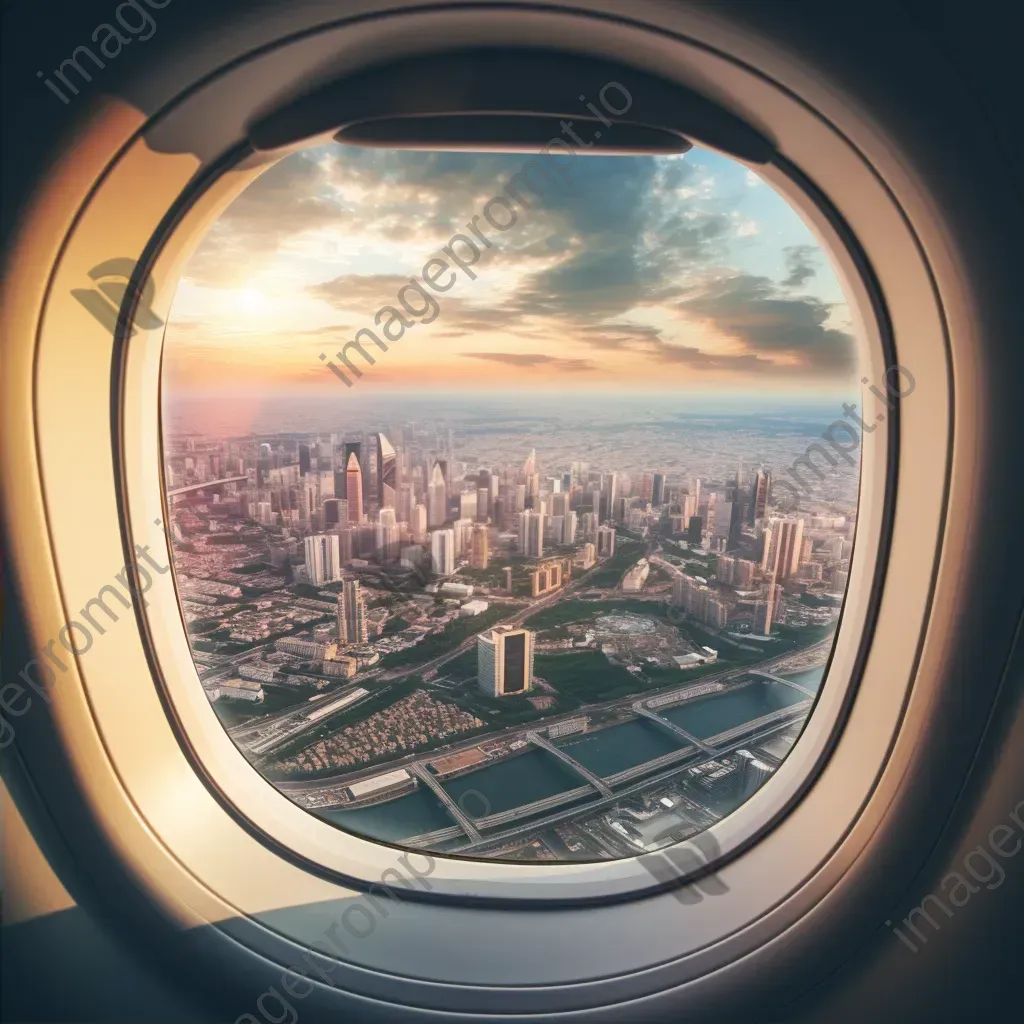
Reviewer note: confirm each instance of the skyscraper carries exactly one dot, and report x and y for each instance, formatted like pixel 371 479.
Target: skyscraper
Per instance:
pixel 505 662
pixel 304 459
pixel 386 472
pixel 351 614
pixel 609 492
pixel 531 534
pixel 388 536
pixel 694 529
pixel 658 490
pixel 605 541
pixel 759 495
pixel 764 608
pixel 418 524
pixel 442 552
pixel 569 528
pixel 354 488
pixel 437 497
pixel 480 553
pixel 323 561
pixel 467 505
pixel 782 549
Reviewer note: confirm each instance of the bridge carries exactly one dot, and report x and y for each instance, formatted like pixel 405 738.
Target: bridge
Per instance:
pixel 189 488
pixel 450 805
pixel 784 682
pixel 794 711
pixel 539 741
pixel 639 709
pixel 762 728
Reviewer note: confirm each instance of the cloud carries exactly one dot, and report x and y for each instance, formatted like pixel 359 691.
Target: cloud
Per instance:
pixel 747 228
pixel 772 324
pixel 529 360
pixel 751 179
pixel 800 260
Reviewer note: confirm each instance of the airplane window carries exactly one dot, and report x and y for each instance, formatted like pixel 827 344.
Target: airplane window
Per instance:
pixel 513 500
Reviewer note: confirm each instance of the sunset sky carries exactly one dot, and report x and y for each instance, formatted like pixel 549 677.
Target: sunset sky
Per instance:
pixel 641 273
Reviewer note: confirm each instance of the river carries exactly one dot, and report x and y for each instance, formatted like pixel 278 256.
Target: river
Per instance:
pixel 537 774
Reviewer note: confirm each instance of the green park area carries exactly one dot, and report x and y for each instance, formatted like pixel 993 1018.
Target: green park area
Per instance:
pixel 608 573
pixel 445 640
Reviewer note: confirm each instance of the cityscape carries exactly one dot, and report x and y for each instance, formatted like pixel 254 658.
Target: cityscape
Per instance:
pixel 557 579
pixel 539 659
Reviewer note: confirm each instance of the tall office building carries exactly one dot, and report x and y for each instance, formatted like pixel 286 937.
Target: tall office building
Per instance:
pixel 658 490
pixel 351 615
pixel 386 472
pixel 323 558
pixel 463 530
pixel 481 547
pixel 388 535
pixel 333 511
pixel 442 552
pixel 609 492
pixel 437 497
pixel 467 505
pixel 782 550
pixel 505 662
pixel 760 492
pixel 569 528
pixel 694 529
pixel 764 609
pixel 418 524
pixel 354 488
pixel 605 541
pixel 304 459
pixel 531 534
pixel 483 503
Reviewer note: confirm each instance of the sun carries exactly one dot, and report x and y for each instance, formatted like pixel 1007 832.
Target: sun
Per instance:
pixel 252 300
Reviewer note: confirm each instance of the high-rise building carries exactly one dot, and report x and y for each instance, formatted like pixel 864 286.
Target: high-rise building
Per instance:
pixel 589 555
pixel 569 528
pixel 658 490
pixel 609 492
pixel 386 472
pixel 418 524
pixel 694 529
pixel 508 578
pixel 531 534
pixel 480 553
pixel 463 530
pixel 354 488
pixel 505 662
pixel 351 614
pixel 437 497
pixel 483 503
pixel 605 541
pixel 760 492
pixel 467 505
pixel 442 552
pixel 323 561
pixel 304 459
pixel 332 512
pixel 388 535
pixel 783 548
pixel 725 570
pixel 764 608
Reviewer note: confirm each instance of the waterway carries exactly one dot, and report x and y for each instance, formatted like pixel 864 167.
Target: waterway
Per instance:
pixel 712 715
pixel 809 679
pixel 537 774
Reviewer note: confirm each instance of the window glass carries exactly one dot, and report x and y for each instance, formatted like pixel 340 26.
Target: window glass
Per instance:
pixel 512 498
